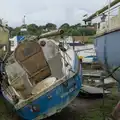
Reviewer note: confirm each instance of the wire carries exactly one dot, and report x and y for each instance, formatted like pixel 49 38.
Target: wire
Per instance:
pixel 111 74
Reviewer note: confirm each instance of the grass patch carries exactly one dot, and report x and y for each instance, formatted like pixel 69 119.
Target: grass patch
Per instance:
pixel 96 111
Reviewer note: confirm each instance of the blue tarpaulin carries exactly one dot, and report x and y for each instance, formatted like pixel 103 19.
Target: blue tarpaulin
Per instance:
pixel 20 38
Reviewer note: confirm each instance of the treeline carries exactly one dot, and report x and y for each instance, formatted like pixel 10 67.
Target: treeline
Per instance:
pixel 70 30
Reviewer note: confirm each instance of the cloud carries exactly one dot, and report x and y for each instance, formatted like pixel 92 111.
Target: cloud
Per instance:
pixel 44 11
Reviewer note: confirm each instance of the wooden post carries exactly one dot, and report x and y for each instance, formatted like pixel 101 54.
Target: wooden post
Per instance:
pixel 116 112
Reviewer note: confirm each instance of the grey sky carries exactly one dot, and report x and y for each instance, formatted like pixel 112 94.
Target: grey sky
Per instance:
pixel 43 11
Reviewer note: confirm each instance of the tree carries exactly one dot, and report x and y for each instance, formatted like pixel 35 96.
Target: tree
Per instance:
pixel 50 26
pixel 64 26
pixel 73 30
pixel 32 29
pixel 15 31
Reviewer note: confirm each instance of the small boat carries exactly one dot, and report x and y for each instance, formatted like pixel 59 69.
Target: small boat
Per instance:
pixel 43 77
pixel 87 53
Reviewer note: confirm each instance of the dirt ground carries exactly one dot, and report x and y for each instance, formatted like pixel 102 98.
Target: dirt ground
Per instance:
pixel 87 109
pixel 79 109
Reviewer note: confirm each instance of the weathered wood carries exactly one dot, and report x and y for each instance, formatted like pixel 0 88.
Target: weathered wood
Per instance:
pixel 93 90
pixel 93 73
pixel 31 57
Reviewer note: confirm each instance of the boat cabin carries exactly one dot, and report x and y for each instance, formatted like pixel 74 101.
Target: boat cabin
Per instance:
pixel 34 67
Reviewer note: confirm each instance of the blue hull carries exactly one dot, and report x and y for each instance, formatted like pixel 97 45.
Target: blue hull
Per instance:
pixel 108 50
pixel 53 101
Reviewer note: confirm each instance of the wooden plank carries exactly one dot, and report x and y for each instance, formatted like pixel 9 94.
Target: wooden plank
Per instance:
pixel 94 73
pixel 93 90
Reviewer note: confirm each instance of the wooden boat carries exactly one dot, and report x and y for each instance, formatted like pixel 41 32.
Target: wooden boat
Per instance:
pixel 43 78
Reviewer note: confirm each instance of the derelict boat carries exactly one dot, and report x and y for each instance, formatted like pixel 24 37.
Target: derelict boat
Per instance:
pixel 107 39
pixel 107 44
pixel 43 78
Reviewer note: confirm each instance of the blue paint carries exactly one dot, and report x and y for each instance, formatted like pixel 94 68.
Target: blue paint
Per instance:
pixel 60 96
pixel 95 59
pixel 89 56
pixel 20 38
pixel 76 44
pixel 108 50
pixel 109 43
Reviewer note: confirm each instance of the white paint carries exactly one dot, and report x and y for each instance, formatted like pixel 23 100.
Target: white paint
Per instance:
pixel 13 43
pixel 50 49
pixel 45 84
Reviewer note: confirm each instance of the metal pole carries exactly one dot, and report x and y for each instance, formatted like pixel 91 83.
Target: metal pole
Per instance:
pixel 109 14
pixel 97 22
pixel 73 44
pixel 24 20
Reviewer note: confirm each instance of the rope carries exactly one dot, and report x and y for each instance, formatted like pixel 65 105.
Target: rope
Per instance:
pixel 64 52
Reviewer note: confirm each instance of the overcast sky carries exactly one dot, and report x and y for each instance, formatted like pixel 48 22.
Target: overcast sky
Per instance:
pixel 43 11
